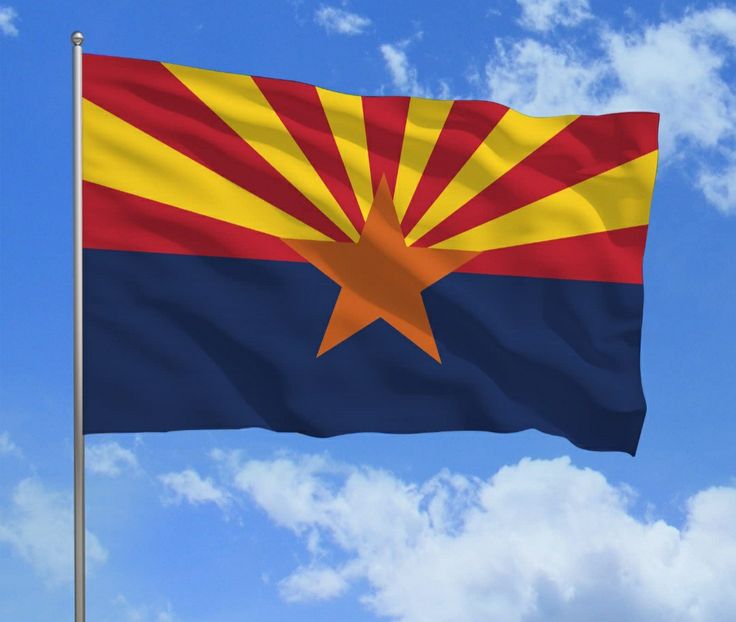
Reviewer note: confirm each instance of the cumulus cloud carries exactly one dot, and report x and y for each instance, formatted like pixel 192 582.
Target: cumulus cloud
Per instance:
pixel 544 15
pixel 678 67
pixel 343 22
pixel 8 15
pixel 189 486
pixel 38 527
pixel 110 459
pixel 541 540
pixel 291 490
pixel 8 447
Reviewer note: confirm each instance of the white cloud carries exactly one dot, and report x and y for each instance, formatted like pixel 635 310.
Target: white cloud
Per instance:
pixel 544 15
pixel 719 186
pixel 189 486
pixel 289 489
pixel 541 79
pixel 110 459
pixel 39 528
pixel 8 447
pixel 540 541
pixel 403 73
pixel 678 68
pixel 313 583
pixel 333 19
pixel 8 16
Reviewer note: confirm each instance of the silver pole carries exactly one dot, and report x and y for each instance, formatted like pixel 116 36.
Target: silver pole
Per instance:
pixel 79 548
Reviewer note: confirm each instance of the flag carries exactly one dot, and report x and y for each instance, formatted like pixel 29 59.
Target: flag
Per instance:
pixel 267 253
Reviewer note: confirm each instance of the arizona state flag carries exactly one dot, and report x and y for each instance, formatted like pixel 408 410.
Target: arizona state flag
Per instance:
pixel 266 253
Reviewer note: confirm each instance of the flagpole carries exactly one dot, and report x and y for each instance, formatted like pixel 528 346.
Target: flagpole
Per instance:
pixel 79 529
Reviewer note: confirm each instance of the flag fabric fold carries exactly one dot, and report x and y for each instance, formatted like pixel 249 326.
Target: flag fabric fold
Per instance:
pixel 267 253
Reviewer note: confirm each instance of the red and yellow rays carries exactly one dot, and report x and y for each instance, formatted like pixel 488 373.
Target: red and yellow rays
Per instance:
pixel 190 161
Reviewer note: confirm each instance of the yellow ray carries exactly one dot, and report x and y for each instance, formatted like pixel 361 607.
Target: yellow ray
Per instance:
pixel 345 116
pixel 615 199
pixel 120 156
pixel 424 123
pixel 238 101
pixel 513 139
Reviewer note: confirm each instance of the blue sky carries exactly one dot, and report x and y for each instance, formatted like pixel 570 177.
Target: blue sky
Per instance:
pixel 236 525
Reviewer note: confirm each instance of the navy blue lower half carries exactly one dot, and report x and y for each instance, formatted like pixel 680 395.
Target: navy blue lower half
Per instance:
pixel 180 342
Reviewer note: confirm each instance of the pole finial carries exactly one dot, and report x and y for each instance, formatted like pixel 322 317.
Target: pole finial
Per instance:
pixel 77 38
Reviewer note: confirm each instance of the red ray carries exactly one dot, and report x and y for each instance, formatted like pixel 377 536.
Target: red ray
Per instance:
pixel 466 127
pixel 148 96
pixel 610 256
pixel 300 109
pixel 115 220
pixel 589 146
pixel 385 121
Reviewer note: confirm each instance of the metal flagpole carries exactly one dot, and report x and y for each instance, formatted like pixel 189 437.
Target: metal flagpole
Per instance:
pixel 79 548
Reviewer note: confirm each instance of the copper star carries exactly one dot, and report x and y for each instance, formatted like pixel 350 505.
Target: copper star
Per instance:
pixel 381 277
